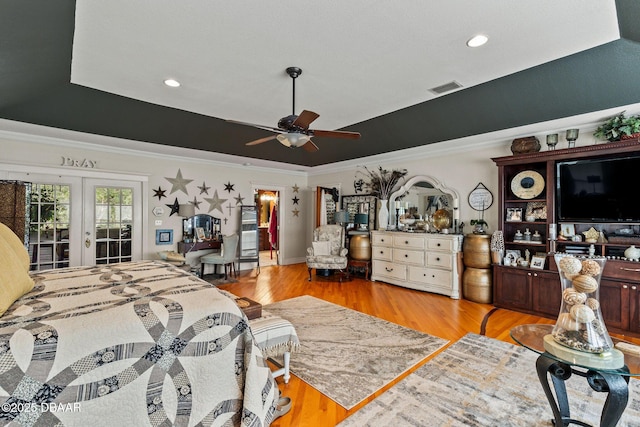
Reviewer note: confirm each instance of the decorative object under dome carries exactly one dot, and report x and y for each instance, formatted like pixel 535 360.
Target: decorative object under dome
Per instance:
pixel 580 333
pixel 381 183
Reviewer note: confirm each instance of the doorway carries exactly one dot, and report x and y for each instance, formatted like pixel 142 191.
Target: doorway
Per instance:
pixel 75 220
pixel 267 202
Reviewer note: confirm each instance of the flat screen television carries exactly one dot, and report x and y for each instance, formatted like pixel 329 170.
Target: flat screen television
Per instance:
pixel 598 190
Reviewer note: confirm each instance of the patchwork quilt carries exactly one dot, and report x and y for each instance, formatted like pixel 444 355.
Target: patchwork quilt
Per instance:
pixel 131 344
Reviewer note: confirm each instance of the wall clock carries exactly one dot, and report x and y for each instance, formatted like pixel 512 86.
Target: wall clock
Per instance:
pixel 527 184
pixel 480 198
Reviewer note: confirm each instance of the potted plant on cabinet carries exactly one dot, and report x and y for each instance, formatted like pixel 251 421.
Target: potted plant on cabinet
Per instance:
pixel 619 127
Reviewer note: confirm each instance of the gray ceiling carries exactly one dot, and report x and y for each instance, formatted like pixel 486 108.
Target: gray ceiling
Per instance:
pixel 36 48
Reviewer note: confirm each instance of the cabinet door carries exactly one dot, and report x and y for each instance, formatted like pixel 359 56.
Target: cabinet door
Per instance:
pixel 634 308
pixel 614 303
pixel 547 293
pixel 512 288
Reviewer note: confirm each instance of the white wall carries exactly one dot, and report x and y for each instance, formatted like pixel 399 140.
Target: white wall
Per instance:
pixel 49 154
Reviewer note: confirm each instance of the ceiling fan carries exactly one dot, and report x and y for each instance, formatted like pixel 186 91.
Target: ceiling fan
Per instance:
pixel 293 131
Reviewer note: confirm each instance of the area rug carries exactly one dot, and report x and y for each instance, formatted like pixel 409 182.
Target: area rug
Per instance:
pixel 348 355
pixel 218 280
pixel 479 381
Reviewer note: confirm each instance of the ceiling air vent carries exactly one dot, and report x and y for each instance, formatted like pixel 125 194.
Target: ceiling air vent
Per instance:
pixel 447 87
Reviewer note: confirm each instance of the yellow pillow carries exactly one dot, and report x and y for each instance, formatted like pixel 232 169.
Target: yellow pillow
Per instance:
pixel 14 280
pixel 16 245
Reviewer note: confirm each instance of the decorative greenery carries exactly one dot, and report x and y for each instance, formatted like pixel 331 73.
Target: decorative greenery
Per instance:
pixel 617 127
pixel 382 182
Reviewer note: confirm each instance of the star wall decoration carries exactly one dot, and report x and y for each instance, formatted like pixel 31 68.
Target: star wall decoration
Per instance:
pixel 295 200
pixel 204 189
pixel 196 202
pixel 239 199
pixel 295 212
pixel 215 202
pixel 229 187
pixel 159 193
pixel 175 207
pixel 295 188
pixel 178 183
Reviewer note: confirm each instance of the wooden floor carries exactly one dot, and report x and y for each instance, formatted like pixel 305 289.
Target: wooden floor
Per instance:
pixel 430 313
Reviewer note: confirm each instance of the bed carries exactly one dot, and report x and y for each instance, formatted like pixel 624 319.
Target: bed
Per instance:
pixel 137 343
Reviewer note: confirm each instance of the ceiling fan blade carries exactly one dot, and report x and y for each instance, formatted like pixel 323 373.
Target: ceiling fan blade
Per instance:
pixel 336 134
pixel 305 118
pixel 261 140
pixel 310 146
pixel 272 129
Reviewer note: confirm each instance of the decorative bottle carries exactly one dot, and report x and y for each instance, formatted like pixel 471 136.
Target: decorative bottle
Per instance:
pixel 580 334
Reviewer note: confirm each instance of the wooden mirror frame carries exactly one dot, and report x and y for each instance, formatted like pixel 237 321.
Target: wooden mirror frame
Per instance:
pixel 410 183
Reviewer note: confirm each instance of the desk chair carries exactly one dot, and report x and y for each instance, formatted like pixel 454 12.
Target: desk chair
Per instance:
pixel 226 257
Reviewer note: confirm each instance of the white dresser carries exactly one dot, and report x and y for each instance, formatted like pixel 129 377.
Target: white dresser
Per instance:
pixel 427 262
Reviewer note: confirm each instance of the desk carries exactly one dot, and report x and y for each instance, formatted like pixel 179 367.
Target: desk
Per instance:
pixel 611 381
pixel 185 248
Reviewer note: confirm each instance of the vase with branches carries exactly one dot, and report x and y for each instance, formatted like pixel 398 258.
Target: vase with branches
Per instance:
pixel 381 183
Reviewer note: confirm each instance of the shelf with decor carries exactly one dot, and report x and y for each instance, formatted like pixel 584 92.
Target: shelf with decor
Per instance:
pixel 541 181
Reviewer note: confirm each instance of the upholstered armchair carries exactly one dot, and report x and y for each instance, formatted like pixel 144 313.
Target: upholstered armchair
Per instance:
pixel 327 250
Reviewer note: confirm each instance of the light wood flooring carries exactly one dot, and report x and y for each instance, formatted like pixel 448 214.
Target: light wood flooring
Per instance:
pixel 434 314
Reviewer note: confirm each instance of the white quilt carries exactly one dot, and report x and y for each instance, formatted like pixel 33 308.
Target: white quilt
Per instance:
pixel 131 344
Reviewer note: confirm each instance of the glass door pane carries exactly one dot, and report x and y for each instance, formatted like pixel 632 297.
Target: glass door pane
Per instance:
pixel 49 226
pixel 113 224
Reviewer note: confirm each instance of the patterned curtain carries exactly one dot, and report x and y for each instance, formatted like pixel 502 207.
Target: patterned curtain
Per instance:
pixel 15 198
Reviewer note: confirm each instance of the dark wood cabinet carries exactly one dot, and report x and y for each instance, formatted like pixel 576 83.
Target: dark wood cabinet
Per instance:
pixel 539 291
pixel 528 290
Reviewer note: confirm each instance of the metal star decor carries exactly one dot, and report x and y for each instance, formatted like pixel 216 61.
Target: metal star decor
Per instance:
pixel 295 200
pixel 239 199
pixel 295 212
pixel 295 188
pixel 175 207
pixel 178 183
pixel 204 189
pixel 159 193
pixel 196 202
pixel 215 202
pixel 229 187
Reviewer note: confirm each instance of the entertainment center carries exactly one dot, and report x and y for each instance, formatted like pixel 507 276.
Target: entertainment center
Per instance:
pixel 547 202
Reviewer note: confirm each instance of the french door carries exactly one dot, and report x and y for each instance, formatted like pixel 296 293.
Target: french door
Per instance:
pixel 83 221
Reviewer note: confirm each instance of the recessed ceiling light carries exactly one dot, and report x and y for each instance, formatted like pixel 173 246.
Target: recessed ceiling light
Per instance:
pixel 477 41
pixel 172 83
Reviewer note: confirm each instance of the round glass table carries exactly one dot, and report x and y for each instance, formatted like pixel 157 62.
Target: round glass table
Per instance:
pixel 601 379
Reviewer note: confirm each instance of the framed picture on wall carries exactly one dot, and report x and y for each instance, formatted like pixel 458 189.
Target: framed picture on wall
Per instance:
pixel 164 237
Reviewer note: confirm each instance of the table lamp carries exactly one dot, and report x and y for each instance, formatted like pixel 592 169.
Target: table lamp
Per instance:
pixel 362 221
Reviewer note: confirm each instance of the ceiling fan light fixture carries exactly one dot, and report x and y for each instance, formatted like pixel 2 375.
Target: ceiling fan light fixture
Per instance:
pixel 172 83
pixel 293 139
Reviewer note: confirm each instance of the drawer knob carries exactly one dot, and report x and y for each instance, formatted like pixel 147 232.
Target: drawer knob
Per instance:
pixel 433 275
pixel 438 244
pixel 406 255
pixel 381 252
pixel 438 259
pixel 633 287
pixel 624 286
pixel 389 270
pixel 406 242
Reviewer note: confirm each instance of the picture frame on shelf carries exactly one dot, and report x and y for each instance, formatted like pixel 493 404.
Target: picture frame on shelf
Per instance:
pixel 514 215
pixel 537 262
pixel 567 230
pixel 536 210
pixel 200 233
pixel 511 257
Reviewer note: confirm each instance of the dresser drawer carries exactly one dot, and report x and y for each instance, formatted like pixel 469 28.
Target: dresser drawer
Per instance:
pixel 408 257
pixel 382 253
pixel 381 239
pixel 389 269
pixel 435 244
pixel 437 259
pixel 408 242
pixel 430 275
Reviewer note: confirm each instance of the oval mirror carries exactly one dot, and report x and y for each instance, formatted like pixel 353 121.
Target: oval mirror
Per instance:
pixel 420 197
